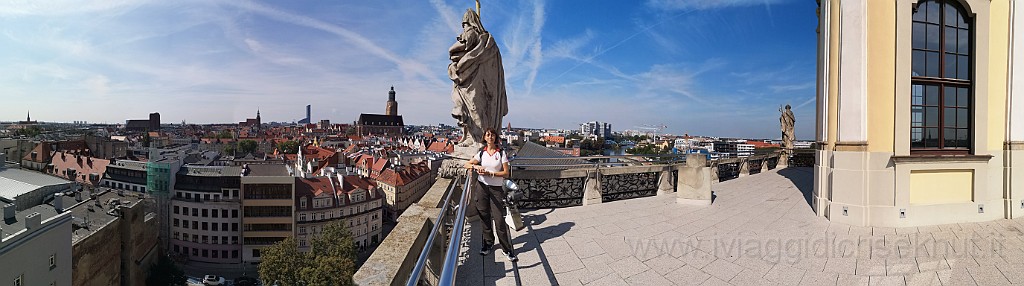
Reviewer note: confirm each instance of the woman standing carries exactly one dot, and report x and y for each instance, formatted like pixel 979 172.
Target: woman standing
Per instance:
pixel 492 166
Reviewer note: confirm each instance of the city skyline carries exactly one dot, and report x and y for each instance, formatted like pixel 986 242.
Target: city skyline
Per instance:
pixel 719 69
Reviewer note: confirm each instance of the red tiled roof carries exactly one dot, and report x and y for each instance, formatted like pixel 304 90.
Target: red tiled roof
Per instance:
pixel 82 165
pixel 441 147
pixel 760 144
pixel 43 153
pixel 407 175
pixel 379 165
pixel 313 187
pixel 353 183
pixel 556 139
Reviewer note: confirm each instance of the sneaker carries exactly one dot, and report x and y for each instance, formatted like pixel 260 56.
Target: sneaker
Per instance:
pixel 511 256
pixel 485 250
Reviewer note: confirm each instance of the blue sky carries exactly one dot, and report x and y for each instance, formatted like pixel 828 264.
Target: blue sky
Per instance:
pixel 706 67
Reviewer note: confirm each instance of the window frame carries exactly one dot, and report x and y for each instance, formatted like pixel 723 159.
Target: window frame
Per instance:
pixel 941 82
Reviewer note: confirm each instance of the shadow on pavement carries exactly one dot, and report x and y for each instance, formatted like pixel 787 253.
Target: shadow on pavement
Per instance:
pixel 803 179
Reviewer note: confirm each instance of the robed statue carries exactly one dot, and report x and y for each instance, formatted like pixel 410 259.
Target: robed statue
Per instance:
pixel 479 84
pixel 787 120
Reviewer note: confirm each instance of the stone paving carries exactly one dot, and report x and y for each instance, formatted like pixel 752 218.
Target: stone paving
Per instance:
pixel 760 230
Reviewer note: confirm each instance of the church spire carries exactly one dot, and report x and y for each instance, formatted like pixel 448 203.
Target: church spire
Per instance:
pixel 28 116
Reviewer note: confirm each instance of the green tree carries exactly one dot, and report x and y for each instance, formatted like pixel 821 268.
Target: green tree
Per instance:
pixel 282 262
pixel 230 148
pixel 331 259
pixel 165 273
pixel 146 139
pixel 247 146
pixel 225 135
pixel 30 131
pixel 288 147
pixel 649 149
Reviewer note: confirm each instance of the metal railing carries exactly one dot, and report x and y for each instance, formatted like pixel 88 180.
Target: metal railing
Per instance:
pixel 451 256
pixel 595 161
pixel 421 262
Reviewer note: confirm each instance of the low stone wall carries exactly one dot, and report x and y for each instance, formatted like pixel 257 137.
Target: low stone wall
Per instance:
pixel 396 256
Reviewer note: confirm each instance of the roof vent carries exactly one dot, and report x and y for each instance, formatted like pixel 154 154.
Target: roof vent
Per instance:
pixel 9 210
pixel 58 202
pixel 32 221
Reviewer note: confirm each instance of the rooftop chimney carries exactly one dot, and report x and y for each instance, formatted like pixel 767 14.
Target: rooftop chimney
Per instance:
pixel 9 211
pixel 58 202
pixel 32 221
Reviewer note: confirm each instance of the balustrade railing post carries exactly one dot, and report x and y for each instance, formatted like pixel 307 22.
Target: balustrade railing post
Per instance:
pixel 744 167
pixel 592 187
pixel 714 172
pixel 694 181
pixel 665 181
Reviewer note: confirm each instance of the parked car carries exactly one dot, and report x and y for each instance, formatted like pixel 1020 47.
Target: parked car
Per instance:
pixel 213 280
pixel 246 281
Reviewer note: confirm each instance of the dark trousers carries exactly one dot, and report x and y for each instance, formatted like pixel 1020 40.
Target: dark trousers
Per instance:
pixel 490 204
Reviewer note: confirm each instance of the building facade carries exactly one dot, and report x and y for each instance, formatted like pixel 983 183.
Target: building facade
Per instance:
pixel 35 246
pixel 352 200
pixel 596 129
pixel 404 185
pixel 944 81
pixel 125 175
pixel 267 195
pixel 206 215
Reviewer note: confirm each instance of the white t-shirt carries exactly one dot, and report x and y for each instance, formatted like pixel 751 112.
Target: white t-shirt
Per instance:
pixel 492 163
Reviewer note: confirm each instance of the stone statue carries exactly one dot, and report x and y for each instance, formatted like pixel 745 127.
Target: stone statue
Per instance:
pixel 787 120
pixel 479 84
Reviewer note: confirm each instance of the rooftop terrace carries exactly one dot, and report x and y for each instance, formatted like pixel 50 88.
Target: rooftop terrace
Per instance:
pixel 759 230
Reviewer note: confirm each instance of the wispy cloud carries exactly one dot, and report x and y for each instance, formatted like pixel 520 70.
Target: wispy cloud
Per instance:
pixel 706 4
pixel 359 40
pixel 791 87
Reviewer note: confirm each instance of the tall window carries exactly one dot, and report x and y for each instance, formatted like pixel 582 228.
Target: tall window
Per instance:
pixel 940 112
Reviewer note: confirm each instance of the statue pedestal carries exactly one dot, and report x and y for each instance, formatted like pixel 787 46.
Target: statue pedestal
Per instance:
pixel 466 152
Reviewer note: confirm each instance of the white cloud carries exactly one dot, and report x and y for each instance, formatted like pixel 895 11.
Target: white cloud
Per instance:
pixel 31 8
pixel 791 87
pixel 690 5
pixel 98 85
pixel 254 45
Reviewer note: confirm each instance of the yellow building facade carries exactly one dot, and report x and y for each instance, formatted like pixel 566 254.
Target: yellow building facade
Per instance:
pixel 920 111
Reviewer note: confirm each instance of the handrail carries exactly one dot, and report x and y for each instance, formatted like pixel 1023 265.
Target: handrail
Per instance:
pixel 421 262
pixel 455 242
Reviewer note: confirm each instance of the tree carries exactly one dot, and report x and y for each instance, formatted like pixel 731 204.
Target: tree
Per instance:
pixel 225 135
pixel 30 131
pixel 165 273
pixel 288 147
pixel 282 262
pixel 247 146
pixel 146 139
pixel 331 259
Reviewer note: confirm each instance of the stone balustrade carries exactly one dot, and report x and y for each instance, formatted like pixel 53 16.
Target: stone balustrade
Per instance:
pixel 690 182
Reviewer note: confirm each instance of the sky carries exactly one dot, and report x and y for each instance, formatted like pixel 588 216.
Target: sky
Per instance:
pixel 699 67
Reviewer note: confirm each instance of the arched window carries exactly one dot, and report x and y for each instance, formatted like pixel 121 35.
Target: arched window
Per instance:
pixel 940 114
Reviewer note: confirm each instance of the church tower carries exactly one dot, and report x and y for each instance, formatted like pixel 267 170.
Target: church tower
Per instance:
pixel 259 123
pixel 392 108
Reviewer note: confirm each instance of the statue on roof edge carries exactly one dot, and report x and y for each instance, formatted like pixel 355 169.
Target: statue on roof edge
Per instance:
pixel 479 84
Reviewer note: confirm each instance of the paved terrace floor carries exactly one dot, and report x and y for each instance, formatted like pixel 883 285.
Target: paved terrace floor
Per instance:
pixel 759 231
